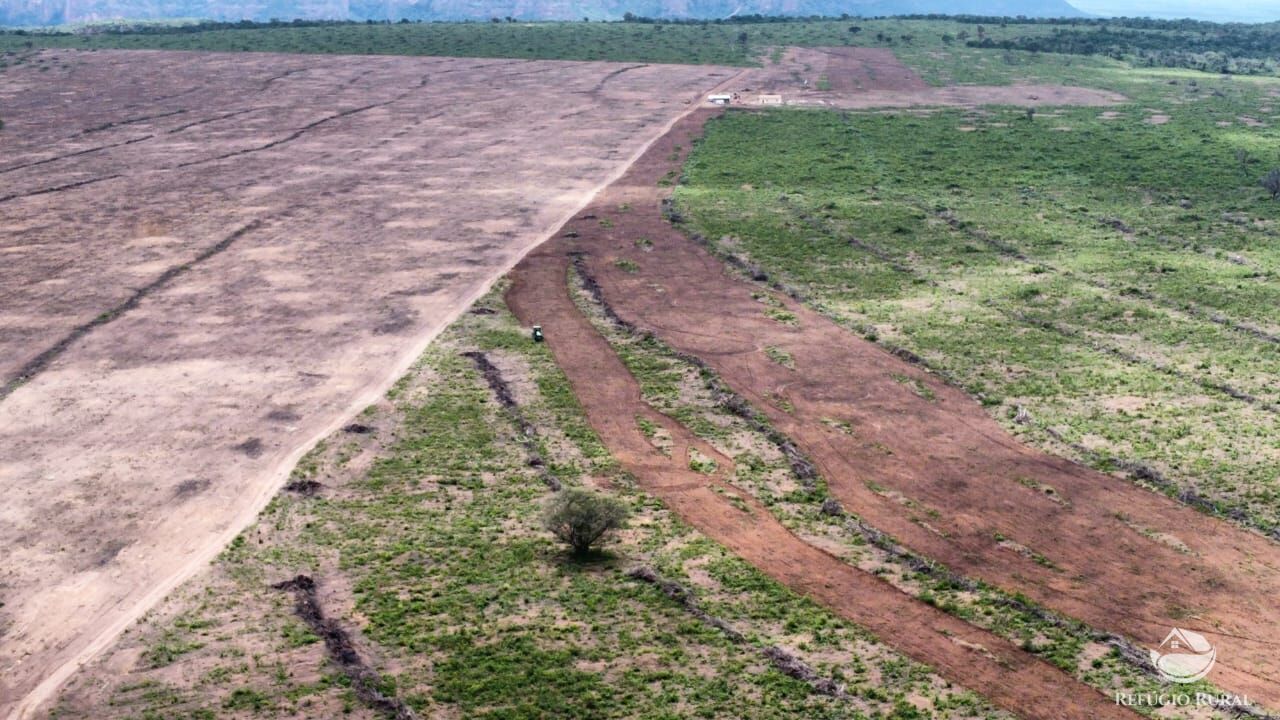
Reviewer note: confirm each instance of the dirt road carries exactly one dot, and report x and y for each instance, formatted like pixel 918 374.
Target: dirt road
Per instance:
pixel 1088 545
pixel 213 260
pixel 974 658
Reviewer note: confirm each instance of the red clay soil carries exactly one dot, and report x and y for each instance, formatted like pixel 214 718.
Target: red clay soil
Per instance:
pixel 853 69
pixel 1010 677
pixel 1086 544
pixel 851 77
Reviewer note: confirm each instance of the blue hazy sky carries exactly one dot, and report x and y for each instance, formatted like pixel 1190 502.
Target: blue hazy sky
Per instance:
pixel 1221 10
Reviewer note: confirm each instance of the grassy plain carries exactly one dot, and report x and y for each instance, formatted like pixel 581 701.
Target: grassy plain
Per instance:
pixel 1114 274
pixel 424 538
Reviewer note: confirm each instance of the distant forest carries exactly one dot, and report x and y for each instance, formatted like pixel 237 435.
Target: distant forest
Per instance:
pixel 1240 49
pixel 1233 49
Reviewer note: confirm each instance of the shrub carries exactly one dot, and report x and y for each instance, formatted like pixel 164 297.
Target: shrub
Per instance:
pixel 581 518
pixel 1271 181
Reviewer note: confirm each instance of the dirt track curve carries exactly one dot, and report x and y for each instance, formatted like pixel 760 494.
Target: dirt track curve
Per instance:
pixel 1096 548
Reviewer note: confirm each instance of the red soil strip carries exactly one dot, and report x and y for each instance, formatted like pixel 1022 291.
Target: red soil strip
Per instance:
pixel 1083 543
pixel 1010 677
pixel 849 77
pixel 853 69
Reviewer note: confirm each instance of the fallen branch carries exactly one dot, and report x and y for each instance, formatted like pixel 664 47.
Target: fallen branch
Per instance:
pixel 783 660
pixel 685 598
pixel 795 667
pixel 365 681
pixel 528 433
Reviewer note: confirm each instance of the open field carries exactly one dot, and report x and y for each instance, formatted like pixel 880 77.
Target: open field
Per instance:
pixel 1114 276
pixel 423 537
pixel 1101 281
pixel 922 406
pixel 216 259
pixel 419 525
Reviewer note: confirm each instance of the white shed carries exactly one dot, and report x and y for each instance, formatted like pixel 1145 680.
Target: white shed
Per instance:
pixel 720 99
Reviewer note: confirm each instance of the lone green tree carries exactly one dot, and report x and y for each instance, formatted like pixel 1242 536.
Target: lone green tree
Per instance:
pixel 581 518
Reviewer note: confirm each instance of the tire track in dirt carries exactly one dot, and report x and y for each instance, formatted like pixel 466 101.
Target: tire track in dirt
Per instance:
pixel 1098 549
pixel 293 135
pixel 266 84
pixel 599 88
pixel 1012 678
pixel 318 123
pixel 206 121
pixel 130 121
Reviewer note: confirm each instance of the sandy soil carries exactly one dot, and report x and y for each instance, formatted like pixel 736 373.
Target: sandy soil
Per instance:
pixel 974 658
pixel 213 260
pixel 1088 545
pixel 855 78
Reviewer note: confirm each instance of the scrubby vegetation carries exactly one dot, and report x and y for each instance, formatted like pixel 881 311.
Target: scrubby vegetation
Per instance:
pixel 423 539
pixel 944 49
pixel 721 43
pixel 1237 49
pixel 1104 281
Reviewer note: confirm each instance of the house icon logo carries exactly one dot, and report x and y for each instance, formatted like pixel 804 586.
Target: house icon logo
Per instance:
pixel 1184 656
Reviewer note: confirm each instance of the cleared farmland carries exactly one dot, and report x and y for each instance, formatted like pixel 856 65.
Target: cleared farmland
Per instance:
pixel 861 538
pixel 217 258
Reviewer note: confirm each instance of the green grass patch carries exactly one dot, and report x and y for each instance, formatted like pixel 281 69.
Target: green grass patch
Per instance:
pixel 1108 274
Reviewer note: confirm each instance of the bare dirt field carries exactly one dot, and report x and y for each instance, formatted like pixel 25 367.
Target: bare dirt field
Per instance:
pixel 1088 545
pixel 212 261
pixel 847 77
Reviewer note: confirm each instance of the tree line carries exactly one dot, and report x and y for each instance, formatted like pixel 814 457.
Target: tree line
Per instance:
pixel 1235 49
